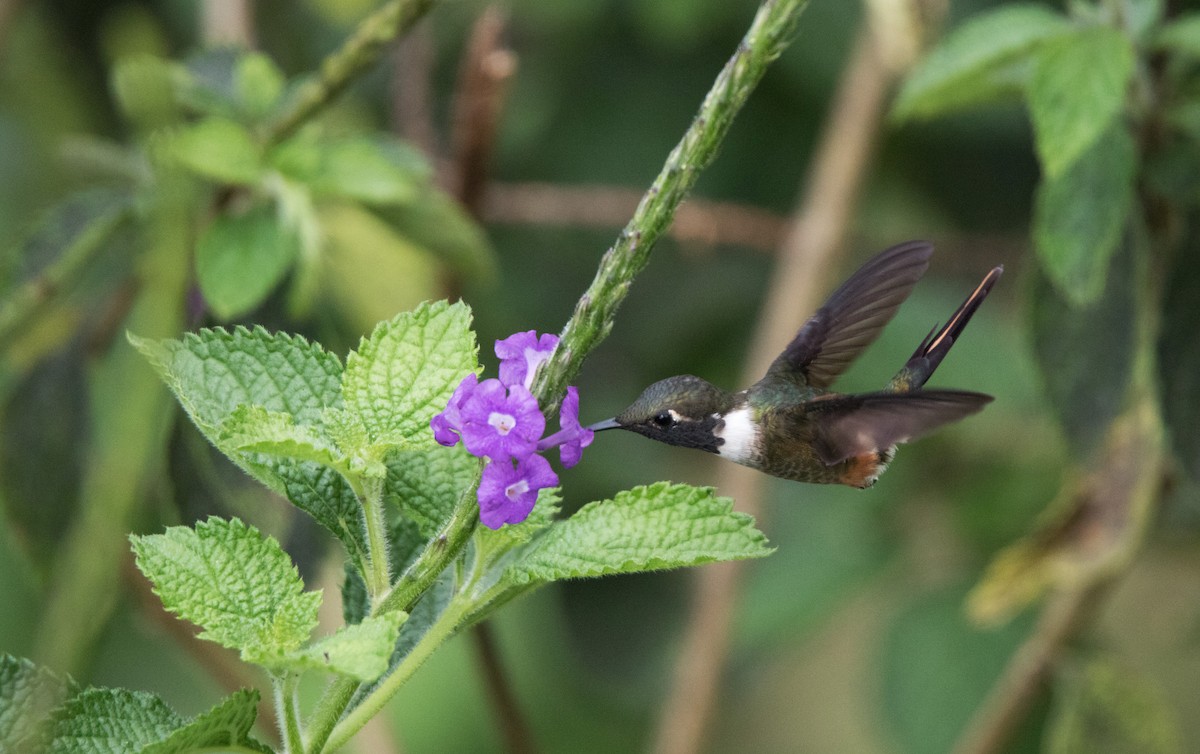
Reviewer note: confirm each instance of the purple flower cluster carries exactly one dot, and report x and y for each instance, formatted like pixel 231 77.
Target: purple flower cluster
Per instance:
pixel 500 420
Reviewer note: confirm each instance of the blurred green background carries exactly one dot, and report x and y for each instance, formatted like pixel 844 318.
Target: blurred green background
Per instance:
pixel 853 635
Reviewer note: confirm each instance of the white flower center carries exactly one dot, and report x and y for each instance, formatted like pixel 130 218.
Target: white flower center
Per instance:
pixel 503 423
pixel 516 489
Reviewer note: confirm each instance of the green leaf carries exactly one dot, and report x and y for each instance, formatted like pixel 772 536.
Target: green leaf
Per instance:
pixel 241 258
pixel 1085 352
pixel 937 669
pixel 425 485
pixel 406 371
pixel 1079 215
pixel 1104 708
pixel 980 61
pixel 235 583
pixel 545 511
pixel 1076 92
pixel 213 372
pixel 227 724
pixel 1179 353
pixel 144 90
pixel 220 150
pixel 29 695
pixel 371 170
pixel 1181 35
pixel 98 721
pixel 257 430
pixel 258 82
pixel 436 222
pixel 361 651
pixel 643 529
pixel 367 272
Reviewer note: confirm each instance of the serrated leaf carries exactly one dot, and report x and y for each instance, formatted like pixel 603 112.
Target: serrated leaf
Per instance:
pixel 1076 92
pixel 1079 215
pixel 1084 353
pixel 241 258
pixel 406 371
pixel 643 529
pixel 218 149
pixel 258 82
pixel 979 61
pixel 371 170
pixel 361 651
pixel 213 372
pixel 425 485
pixel 29 695
pixel 1104 708
pixel 427 610
pixel 235 583
pixel 1179 353
pixel 1181 35
pixel 98 721
pixel 255 429
pixel 227 724
pixel 368 273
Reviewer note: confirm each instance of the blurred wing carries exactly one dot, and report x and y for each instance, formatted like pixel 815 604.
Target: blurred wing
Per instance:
pixel 852 317
pixel 852 424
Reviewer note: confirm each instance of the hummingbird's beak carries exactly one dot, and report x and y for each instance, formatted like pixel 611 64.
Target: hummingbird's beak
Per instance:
pixel 606 424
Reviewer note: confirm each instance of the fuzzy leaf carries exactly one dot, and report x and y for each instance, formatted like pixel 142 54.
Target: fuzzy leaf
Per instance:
pixel 1104 708
pixel 219 149
pixel 371 170
pixel 406 371
pixel 235 583
pixel 361 651
pixel 241 258
pixel 257 430
pixel 426 484
pixel 213 372
pixel 643 529
pixel 99 721
pixel 227 724
pixel 29 695
pixel 1077 90
pixel 979 61
pixel 1079 215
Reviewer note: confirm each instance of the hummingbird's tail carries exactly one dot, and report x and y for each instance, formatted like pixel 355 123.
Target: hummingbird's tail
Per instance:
pixel 934 348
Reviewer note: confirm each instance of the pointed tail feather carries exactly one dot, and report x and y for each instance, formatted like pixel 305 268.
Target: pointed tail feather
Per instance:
pixel 937 344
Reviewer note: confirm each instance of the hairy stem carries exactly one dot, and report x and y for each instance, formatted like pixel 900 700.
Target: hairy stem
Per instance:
pixel 378 573
pixel 360 51
pixel 773 27
pixel 287 711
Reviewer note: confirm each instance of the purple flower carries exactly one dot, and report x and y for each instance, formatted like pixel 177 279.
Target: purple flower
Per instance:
pixel 507 493
pixel 572 437
pixel 448 425
pixel 501 424
pixel 521 354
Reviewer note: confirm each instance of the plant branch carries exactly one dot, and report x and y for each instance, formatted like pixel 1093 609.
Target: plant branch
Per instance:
pixel 360 51
pixel 377 551
pixel 809 253
pixel 772 29
pixel 284 691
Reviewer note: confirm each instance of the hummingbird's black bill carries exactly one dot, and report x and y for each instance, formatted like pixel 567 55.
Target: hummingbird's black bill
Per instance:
pixel 606 424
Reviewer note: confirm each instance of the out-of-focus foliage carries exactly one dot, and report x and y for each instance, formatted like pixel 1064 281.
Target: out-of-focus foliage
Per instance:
pixel 125 142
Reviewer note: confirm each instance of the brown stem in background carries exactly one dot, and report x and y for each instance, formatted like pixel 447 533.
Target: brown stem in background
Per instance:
pixel 412 91
pixel 809 255
pixel 227 22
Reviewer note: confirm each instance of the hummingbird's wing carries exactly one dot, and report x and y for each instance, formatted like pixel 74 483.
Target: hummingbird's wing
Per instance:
pixel 852 317
pixel 848 425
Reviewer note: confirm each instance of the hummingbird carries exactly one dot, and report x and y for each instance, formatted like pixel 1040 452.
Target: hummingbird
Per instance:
pixel 789 424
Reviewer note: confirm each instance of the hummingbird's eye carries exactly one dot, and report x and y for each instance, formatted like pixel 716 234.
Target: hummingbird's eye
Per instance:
pixel 663 419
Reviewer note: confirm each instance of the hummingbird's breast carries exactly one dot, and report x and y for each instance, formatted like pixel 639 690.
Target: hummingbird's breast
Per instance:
pixel 742 436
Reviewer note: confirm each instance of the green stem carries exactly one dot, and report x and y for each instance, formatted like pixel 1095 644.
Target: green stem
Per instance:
pixel 287 710
pixel 772 29
pixel 360 51
pixel 441 629
pixel 412 584
pixel 378 575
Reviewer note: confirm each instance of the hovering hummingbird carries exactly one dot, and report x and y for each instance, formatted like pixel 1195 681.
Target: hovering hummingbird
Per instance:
pixel 788 424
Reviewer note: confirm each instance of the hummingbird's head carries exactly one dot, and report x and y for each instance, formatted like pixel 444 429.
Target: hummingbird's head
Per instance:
pixel 683 410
